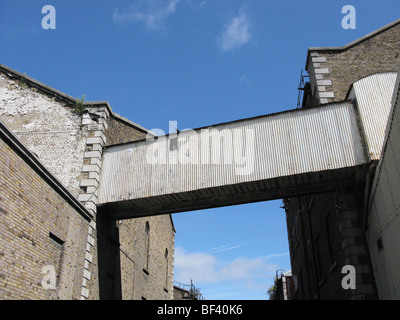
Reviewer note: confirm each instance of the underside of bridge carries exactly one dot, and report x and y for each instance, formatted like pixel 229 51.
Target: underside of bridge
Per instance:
pixel 241 193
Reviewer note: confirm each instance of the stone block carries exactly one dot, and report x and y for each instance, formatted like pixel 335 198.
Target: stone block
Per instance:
pixel 88 182
pixel 85 293
pixel 326 95
pixel 321 71
pixel 318 59
pixel 92 154
pixel 324 82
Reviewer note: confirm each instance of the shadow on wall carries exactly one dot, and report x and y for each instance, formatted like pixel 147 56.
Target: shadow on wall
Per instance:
pixel 109 264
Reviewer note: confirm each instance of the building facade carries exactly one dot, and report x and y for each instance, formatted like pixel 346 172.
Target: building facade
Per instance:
pixel 68 141
pixel 57 242
pixel 43 228
pixel 330 230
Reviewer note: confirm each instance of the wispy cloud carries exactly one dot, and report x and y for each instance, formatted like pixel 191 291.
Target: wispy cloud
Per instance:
pixel 236 32
pixel 224 247
pixel 229 246
pixel 152 13
pixel 196 4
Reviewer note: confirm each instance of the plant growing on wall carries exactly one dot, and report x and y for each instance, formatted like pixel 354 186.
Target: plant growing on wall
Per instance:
pixel 22 81
pixel 80 105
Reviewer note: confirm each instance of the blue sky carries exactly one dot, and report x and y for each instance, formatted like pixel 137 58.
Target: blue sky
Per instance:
pixel 198 62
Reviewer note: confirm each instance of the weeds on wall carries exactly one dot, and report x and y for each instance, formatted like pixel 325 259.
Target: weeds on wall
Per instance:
pixel 80 105
pixel 22 82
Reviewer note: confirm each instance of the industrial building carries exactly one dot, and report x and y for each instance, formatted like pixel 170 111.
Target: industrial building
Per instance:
pixel 358 223
pixel 87 196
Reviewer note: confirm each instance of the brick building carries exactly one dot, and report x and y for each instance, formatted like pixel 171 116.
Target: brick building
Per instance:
pixel 42 227
pixel 51 225
pixel 327 231
pixel 135 257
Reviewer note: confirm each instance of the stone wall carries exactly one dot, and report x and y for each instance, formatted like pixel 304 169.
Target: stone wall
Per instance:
pixel 137 281
pixel 42 227
pixel 70 146
pixel 147 273
pixel 333 70
pixel 120 131
pixel 315 251
pixel 325 235
pixel 47 123
pixel 47 126
pixel 337 217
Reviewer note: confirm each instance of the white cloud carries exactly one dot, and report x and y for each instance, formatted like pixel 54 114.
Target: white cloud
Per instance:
pixel 195 4
pixel 206 268
pixel 246 268
pixel 152 13
pixel 235 33
pixel 198 265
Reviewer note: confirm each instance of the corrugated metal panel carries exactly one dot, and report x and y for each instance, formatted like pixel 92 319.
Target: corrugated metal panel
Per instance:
pixel 384 215
pixel 374 94
pixel 272 146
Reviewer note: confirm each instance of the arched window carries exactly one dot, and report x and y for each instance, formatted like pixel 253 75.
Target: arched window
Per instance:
pixel 147 245
pixel 166 270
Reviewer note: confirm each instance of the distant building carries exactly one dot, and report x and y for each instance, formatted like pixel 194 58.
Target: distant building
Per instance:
pixel 181 293
pixel 187 292
pixel 288 285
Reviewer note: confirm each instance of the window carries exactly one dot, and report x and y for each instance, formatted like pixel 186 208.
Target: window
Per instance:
pixel 56 250
pixel 166 271
pixel 147 246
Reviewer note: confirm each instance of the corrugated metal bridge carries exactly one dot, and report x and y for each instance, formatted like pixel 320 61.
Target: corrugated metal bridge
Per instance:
pixel 262 158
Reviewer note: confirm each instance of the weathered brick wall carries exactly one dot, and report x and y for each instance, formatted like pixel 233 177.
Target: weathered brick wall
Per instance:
pixel 121 132
pixel 315 246
pixel 38 228
pixel 325 235
pixel 136 283
pixel 48 127
pixel 152 279
pixel 332 72
pixel 70 146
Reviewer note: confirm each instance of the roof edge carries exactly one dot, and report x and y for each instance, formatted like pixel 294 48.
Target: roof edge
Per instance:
pixel 353 43
pixel 370 75
pixel 63 96
pixel 319 106
pixel 129 122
